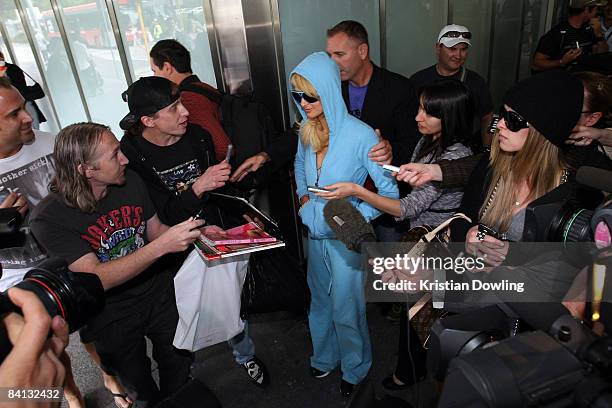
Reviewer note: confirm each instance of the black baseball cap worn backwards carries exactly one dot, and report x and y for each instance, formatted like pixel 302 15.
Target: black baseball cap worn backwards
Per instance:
pixel 147 96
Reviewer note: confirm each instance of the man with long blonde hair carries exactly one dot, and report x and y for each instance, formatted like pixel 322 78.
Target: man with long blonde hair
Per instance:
pixel 99 218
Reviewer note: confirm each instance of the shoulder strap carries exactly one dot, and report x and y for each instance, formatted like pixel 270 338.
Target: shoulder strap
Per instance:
pixel 215 97
pixel 463 74
pixel 28 75
pixel 562 32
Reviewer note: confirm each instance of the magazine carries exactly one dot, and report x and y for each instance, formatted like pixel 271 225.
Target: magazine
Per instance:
pixel 249 233
pixel 210 252
pixel 257 219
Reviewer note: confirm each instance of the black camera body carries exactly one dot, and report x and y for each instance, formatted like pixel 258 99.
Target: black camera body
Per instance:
pixel 10 224
pixel 567 367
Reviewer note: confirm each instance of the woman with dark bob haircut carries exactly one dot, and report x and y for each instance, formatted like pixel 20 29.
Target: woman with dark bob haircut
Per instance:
pixel 444 120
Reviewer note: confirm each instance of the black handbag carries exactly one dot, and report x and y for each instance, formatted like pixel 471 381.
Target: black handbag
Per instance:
pixel 274 282
pixel 33 92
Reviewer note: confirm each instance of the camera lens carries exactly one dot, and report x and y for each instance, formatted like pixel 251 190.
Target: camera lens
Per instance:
pixel 76 297
pixel 571 224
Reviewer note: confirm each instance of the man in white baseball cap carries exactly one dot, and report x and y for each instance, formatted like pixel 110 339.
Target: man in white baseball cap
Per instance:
pixel 452 48
pixel 454 34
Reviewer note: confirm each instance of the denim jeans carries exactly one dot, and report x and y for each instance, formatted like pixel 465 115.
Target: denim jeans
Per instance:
pixel 242 345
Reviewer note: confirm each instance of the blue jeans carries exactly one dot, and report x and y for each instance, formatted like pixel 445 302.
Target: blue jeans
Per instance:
pixel 242 345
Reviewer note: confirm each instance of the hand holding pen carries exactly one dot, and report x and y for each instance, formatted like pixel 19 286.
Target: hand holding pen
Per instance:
pixel 214 177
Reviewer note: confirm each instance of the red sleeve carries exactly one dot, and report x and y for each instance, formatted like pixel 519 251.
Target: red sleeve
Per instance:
pixel 204 113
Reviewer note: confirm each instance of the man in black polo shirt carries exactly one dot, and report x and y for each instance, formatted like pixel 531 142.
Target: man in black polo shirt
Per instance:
pixel 452 49
pixel 571 39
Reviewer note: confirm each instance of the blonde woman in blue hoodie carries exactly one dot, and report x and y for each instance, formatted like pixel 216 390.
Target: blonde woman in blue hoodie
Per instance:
pixel 333 148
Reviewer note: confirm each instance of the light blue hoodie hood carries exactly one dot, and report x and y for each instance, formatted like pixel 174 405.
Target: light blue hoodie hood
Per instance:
pixel 346 159
pixel 323 73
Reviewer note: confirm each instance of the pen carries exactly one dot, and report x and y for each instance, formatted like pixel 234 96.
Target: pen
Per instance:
pixel 230 151
pixel 199 214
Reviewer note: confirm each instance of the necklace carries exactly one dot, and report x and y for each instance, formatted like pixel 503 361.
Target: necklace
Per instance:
pixel 517 203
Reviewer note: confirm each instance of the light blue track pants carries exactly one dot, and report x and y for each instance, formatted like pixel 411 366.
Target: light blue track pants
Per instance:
pixel 337 317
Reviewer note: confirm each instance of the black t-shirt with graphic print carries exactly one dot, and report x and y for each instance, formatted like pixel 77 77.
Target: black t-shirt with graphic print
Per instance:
pixel 176 165
pixel 115 229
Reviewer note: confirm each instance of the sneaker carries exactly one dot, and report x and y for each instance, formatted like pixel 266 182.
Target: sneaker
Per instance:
pixel 257 371
pixel 346 388
pixel 316 373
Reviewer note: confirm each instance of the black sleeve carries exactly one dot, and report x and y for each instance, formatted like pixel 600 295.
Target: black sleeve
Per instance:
pixel 50 230
pixel 406 135
pixel 456 173
pixel 590 155
pixel 473 197
pixel 282 149
pixel 549 44
pixel 171 208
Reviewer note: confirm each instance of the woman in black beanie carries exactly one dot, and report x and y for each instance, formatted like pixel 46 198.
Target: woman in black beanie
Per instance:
pixel 527 161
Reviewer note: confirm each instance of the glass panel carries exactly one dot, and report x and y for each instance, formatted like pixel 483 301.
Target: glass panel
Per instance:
pixel 50 47
pixel 304 25
pixel 25 60
pixel 143 23
pixel 504 60
pixel 533 29
pixel 413 22
pixel 97 60
pixel 7 55
pixel 479 23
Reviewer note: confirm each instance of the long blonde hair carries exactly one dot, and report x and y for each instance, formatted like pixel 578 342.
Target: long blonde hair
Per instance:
pixel 314 132
pixel 75 145
pixel 539 163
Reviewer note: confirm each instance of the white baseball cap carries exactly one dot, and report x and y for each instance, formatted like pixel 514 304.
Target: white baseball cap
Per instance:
pixel 454 34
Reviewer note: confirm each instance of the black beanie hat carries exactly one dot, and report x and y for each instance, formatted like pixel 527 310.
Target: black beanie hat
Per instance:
pixel 551 102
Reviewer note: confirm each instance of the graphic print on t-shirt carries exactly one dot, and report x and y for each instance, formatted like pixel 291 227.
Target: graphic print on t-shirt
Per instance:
pixel 31 181
pixel 117 233
pixel 179 178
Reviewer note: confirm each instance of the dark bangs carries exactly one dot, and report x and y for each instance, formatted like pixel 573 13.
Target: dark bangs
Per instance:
pixel 452 102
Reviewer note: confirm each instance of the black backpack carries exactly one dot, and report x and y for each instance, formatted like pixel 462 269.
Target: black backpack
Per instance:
pixel 246 121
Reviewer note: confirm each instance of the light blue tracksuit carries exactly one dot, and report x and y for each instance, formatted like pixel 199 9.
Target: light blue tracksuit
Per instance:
pixel 337 315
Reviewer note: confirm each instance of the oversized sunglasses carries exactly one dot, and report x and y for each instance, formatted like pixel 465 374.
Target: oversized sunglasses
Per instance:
pixel 514 121
pixel 299 95
pixel 456 34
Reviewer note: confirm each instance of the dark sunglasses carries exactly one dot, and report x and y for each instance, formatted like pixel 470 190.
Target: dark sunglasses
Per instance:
pixel 298 95
pixel 514 121
pixel 456 34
